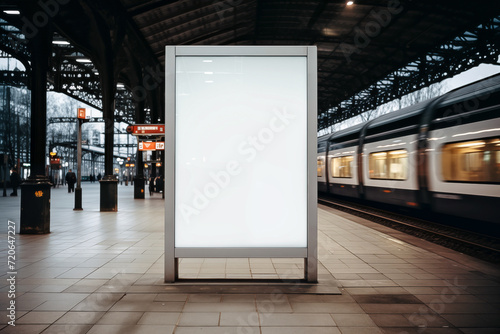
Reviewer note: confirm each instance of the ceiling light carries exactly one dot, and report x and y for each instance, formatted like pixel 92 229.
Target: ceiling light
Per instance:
pixel 350 3
pixel 12 12
pixel 60 42
pixel 84 60
pixel 330 32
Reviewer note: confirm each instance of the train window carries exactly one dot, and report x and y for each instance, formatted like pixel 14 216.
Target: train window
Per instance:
pixel 342 166
pixel 472 161
pixel 321 163
pixel 389 165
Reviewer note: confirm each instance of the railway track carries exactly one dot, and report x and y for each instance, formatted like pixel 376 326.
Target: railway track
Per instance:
pixel 478 245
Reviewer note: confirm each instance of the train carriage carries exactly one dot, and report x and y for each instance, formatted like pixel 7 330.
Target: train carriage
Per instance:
pixel 463 152
pixel 342 162
pixel 442 154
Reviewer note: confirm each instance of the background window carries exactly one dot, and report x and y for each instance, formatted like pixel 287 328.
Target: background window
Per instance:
pixel 320 167
pixel 342 166
pixel 472 161
pixel 391 165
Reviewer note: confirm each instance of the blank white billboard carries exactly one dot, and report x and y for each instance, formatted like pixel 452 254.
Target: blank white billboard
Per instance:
pixel 240 151
pixel 240 154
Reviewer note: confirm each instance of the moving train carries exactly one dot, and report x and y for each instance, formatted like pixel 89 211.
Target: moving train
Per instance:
pixel 441 155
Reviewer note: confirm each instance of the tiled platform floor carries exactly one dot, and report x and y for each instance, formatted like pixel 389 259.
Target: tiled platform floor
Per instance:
pixel 102 273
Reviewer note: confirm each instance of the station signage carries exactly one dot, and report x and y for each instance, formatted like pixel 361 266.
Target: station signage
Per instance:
pixel 151 146
pixel 55 162
pixel 146 129
pixel 81 113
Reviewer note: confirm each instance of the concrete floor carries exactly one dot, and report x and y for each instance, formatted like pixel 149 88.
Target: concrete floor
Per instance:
pixel 103 273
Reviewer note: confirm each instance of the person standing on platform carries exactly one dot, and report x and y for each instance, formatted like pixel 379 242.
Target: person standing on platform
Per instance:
pixel 15 181
pixel 71 180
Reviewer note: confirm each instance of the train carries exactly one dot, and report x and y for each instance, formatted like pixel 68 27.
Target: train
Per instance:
pixel 439 156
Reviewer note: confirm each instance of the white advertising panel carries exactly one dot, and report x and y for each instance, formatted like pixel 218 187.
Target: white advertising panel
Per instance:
pixel 240 153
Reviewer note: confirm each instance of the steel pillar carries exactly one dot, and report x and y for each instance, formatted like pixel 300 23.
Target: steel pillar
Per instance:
pixel 109 182
pixel 139 161
pixel 35 192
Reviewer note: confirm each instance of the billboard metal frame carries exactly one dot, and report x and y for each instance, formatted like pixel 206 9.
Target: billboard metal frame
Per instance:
pixel 309 253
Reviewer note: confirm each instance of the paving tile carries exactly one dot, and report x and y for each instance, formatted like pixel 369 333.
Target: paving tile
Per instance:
pixel 204 298
pixel 158 318
pixel 217 330
pixel 165 306
pixel 120 318
pixel 35 317
pixel 426 330
pixel 363 330
pixel 167 297
pixel 98 302
pixel 464 320
pixel 273 307
pixel 80 318
pixel 128 329
pixel 199 319
pixel 67 329
pixel 391 320
pixel 296 320
pixel 57 305
pixel 491 320
pixel 243 319
pixel 23 329
pixel 395 308
pixel 387 299
pixel 219 307
pixel 479 330
pixel 353 320
pixel 238 298
pixel 336 308
pixel 300 330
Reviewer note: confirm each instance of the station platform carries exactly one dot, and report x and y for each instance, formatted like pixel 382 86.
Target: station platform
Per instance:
pixel 103 273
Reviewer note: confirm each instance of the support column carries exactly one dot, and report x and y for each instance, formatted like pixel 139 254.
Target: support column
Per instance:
pixel 109 182
pixel 139 161
pixel 35 191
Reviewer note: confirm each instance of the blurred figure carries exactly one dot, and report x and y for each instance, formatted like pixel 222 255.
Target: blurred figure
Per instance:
pixel 159 184
pixel 151 186
pixel 15 181
pixel 71 180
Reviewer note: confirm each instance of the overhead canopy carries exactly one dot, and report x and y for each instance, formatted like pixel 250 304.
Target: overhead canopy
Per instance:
pixel 358 45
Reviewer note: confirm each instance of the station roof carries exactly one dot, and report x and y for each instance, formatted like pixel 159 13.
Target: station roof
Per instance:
pixel 358 44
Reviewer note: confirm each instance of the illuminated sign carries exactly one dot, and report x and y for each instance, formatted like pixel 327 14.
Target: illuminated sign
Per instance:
pixel 146 130
pixel 241 153
pixel 81 113
pixel 151 145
